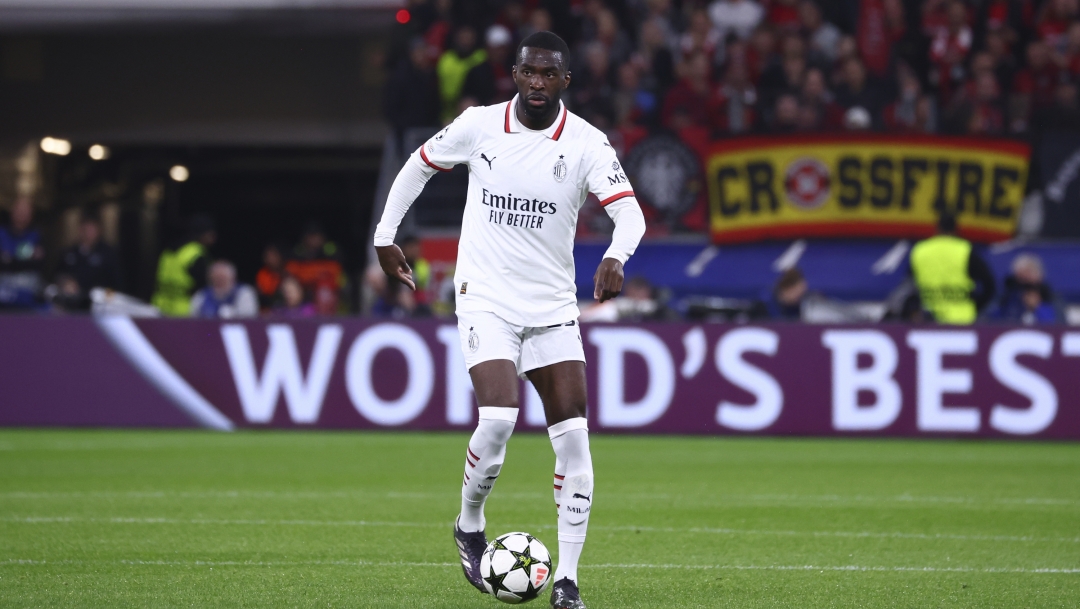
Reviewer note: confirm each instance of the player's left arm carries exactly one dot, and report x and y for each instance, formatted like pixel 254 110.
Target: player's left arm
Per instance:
pixel 608 182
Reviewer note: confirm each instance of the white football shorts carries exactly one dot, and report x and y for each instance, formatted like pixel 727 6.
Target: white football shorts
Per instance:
pixel 486 336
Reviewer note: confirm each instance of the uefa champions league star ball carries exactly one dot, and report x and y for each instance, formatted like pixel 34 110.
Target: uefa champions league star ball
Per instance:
pixel 515 567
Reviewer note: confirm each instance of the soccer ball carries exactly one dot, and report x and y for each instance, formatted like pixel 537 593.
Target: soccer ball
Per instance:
pixel 515 568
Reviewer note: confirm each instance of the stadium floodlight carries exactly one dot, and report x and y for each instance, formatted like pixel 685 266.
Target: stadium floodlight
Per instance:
pixel 179 173
pixel 57 146
pixel 98 152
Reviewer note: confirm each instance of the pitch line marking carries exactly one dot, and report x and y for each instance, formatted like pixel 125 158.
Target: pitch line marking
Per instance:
pixel 840 500
pixel 647 529
pixel 364 563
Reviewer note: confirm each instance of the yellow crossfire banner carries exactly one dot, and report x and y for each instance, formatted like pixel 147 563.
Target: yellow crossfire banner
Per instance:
pixel 863 186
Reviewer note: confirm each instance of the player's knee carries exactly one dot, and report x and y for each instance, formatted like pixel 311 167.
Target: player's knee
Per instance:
pixel 500 434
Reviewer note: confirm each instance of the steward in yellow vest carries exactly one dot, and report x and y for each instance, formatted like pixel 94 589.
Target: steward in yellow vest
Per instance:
pixel 182 271
pixel 452 68
pixel 947 273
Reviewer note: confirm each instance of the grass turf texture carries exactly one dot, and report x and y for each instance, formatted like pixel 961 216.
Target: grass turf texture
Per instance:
pixel 139 519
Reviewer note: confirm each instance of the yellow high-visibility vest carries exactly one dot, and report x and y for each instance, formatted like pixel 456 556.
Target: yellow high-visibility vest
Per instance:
pixel 174 280
pixel 940 267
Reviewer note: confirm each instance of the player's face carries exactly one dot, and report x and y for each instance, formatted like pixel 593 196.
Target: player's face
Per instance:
pixel 540 80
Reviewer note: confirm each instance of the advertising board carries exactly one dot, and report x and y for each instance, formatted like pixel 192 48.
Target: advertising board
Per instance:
pixel 650 378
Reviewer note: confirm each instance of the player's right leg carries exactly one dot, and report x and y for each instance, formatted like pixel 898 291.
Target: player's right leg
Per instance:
pixel 491 347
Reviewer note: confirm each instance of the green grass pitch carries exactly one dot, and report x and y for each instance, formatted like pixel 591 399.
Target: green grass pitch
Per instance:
pixel 196 519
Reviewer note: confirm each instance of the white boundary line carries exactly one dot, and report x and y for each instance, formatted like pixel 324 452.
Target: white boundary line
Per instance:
pixel 843 501
pixel 364 563
pixel 539 527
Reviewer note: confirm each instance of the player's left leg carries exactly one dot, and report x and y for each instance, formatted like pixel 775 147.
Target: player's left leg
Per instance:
pixel 562 387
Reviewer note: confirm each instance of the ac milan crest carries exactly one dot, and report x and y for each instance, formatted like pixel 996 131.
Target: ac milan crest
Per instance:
pixel 559 171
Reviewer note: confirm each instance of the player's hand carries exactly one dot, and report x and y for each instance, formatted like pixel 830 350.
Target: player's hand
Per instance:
pixel 392 261
pixel 608 279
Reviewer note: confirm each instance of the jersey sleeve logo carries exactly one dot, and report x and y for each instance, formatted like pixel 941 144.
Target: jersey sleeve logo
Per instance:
pixel 560 170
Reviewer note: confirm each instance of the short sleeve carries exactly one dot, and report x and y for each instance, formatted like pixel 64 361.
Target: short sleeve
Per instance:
pixel 452 145
pixel 606 178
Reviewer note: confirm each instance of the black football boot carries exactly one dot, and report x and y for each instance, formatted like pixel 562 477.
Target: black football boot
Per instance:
pixel 565 595
pixel 471 547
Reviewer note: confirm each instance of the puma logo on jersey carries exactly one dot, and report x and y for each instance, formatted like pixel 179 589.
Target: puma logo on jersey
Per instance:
pixel 585 497
pixel 484 156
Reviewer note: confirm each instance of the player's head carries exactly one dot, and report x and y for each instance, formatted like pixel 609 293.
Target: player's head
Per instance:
pixel 541 73
pixel 946 224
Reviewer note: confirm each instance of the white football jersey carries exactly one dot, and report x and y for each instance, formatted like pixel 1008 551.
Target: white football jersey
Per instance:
pixel 516 252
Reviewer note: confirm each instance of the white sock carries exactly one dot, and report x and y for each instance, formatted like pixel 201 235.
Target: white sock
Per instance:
pixel 570 439
pixel 483 462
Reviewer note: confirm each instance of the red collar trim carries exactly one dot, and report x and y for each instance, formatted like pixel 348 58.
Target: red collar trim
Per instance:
pixel 555 136
pixel 562 124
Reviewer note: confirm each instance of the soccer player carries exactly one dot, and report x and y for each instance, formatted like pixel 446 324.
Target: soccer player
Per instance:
pixel 531 166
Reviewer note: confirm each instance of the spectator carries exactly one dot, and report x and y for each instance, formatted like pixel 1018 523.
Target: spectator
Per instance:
pixel 671 21
pixel 761 52
pixel 593 95
pixel 91 262
pixel 291 300
pixel 454 66
pixel 954 282
pixel 787 76
pixel 702 37
pixel 1033 86
pixel 182 271
pixel 316 262
pixel 412 92
pixel 21 258
pixel 824 37
pixel 268 279
pixel 392 298
pixel 845 50
pixel 1027 298
pixel 784 15
pixel 788 294
pixel 949 50
pixel 785 117
pixel 65 295
pixel 1063 116
pixel 614 40
pixel 913 112
pixel 737 101
pixel 633 103
pixel 223 298
pixel 1053 21
pixel 491 82
pixel 421 268
pixel 738 17
pixel 858 90
pixel 539 21
pixel 1067 53
pixel 1002 61
pixel 686 105
pixel 655 59
pixel 639 301
pixel 818 101
pixel 877 31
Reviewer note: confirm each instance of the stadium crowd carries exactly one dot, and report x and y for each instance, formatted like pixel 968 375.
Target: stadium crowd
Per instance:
pixel 729 67
pixel 703 70
pixel 309 280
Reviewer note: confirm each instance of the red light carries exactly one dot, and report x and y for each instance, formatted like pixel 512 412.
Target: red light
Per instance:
pixel 403 16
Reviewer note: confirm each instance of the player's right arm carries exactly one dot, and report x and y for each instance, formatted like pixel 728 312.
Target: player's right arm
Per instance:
pixel 447 148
